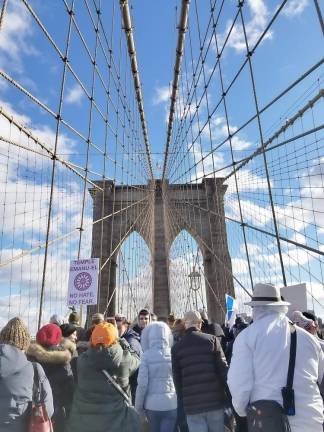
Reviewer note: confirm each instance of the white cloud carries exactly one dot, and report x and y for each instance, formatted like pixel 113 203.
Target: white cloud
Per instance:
pixel 74 95
pixel 240 266
pixel 15 37
pixel 206 164
pixel 259 17
pixel 42 132
pixel 219 132
pixel 24 277
pixel 253 249
pixel 162 95
pixel 295 7
pixel 25 184
pixel 247 181
pixel 253 213
pixel 298 237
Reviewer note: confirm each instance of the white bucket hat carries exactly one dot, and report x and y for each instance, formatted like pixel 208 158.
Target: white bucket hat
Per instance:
pixel 266 295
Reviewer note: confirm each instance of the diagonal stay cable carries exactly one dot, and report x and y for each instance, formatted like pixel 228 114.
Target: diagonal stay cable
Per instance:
pixel 75 230
pixel 177 67
pixel 137 83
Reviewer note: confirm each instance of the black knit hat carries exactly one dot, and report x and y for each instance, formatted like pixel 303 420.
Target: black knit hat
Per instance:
pixel 67 329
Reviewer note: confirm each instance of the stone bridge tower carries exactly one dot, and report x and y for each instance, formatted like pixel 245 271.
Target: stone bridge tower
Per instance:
pixel 197 208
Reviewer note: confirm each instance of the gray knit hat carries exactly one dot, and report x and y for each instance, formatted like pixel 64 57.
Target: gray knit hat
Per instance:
pixel 98 317
pixel 15 333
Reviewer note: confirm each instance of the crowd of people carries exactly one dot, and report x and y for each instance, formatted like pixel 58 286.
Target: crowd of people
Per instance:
pixel 166 375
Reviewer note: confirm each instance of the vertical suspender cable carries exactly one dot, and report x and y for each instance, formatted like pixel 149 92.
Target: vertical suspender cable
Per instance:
pixel 58 123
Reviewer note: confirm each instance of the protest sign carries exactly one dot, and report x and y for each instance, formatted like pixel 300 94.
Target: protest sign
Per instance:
pixel 83 282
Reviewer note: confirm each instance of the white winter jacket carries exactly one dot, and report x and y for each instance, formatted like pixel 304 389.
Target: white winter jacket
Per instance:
pixel 155 388
pixel 259 369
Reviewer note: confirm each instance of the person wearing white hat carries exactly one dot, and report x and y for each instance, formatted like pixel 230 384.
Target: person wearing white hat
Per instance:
pixel 259 365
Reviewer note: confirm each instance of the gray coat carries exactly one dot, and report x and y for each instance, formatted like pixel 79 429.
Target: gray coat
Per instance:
pixel 155 389
pixel 16 388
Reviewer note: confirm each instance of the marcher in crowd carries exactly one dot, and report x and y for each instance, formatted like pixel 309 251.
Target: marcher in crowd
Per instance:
pixel 199 370
pixel 154 317
pixel 155 392
pixel 143 319
pixel 171 320
pixel 96 318
pixel 308 324
pixel 55 354
pixel 134 341
pixel 303 322
pixel 127 333
pixel 260 360
pixel 74 319
pixel 212 328
pixel 178 330
pixel 69 332
pixel 57 319
pixel 97 405
pixel 17 378
pixel 238 326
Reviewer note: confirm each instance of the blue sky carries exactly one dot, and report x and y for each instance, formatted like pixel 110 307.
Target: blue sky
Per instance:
pixel 34 63
pixel 293 44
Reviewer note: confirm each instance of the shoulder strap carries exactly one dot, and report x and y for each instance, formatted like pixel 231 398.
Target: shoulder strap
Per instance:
pixel 292 356
pixel 111 381
pixel 36 385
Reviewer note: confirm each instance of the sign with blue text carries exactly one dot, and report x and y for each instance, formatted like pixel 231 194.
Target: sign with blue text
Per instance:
pixel 83 282
pixel 230 310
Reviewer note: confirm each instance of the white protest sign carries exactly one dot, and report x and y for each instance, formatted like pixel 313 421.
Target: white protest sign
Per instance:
pixel 296 295
pixel 83 282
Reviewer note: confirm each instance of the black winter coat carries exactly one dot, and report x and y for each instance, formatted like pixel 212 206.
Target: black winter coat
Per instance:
pixel 199 371
pixel 56 364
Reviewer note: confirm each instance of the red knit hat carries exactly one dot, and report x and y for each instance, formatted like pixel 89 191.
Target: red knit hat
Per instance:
pixel 49 335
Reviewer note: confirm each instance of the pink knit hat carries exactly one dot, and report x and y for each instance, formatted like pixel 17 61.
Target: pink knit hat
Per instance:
pixel 49 335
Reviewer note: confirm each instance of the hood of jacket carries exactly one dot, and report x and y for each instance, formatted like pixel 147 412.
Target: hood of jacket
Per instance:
pixel 130 333
pixel 103 358
pixel 156 335
pixel 54 355
pixel 69 345
pixel 12 360
pixel 138 330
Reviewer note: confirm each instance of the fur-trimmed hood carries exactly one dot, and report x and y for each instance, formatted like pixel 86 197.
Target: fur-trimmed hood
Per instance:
pixel 69 345
pixel 61 355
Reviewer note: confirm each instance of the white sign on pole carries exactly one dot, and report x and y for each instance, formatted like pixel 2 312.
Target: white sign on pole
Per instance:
pixel 296 295
pixel 83 282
